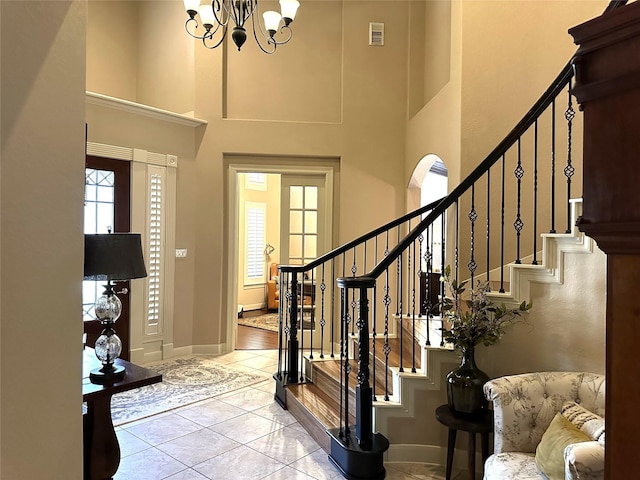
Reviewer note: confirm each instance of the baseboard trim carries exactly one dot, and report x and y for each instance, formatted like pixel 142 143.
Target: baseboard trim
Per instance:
pixel 434 454
pixel 214 349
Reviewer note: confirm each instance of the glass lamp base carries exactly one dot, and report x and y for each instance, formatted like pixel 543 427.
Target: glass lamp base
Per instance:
pixel 107 374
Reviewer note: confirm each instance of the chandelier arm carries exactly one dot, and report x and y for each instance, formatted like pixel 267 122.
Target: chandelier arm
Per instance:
pixel 215 6
pixel 282 32
pixel 222 37
pixel 208 35
pixel 270 40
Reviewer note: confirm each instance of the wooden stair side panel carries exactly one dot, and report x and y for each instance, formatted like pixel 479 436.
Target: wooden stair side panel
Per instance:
pixel 314 411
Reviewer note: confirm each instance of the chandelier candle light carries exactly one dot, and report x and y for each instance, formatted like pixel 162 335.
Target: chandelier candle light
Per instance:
pixel 215 17
pixel 114 256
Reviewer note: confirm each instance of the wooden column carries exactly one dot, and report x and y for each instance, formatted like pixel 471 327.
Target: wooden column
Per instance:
pixel 608 90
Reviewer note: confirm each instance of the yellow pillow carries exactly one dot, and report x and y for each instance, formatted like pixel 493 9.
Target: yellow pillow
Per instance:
pixel 550 450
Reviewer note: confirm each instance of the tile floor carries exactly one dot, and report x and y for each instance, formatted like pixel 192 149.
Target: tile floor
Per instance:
pixel 240 435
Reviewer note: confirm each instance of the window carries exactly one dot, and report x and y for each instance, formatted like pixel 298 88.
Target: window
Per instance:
pixel 155 248
pixel 256 214
pixel 256 181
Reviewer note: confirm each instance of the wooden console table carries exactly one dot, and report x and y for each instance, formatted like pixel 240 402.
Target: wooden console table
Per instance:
pixel 101 448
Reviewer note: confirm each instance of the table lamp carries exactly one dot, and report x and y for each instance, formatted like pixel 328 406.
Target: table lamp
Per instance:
pixel 112 256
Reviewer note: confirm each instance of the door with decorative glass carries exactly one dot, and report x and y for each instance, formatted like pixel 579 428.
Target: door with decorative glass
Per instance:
pixel 106 209
pixel 302 224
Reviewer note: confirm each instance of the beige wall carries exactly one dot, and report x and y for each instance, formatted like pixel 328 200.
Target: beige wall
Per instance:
pixel 41 241
pixel 350 105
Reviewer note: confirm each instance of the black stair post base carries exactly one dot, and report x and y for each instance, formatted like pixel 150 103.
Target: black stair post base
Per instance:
pixel 355 463
pixel 281 393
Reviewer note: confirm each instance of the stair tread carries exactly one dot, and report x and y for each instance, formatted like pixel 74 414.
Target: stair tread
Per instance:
pixel 333 369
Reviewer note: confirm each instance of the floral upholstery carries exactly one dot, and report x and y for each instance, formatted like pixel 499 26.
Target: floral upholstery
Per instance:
pixel 524 406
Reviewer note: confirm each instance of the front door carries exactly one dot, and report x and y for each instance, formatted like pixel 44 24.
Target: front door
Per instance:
pixel 106 208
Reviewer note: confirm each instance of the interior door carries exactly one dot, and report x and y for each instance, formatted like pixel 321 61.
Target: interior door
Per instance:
pixel 106 208
pixel 302 218
pixel 303 234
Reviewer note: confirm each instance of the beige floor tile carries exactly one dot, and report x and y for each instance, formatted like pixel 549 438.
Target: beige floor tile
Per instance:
pixel 286 445
pixel 246 428
pixel 197 447
pixel 241 463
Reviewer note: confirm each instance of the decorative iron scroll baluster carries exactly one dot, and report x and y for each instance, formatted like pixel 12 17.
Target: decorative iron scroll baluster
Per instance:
pixel 413 314
pixel 473 216
pixel 535 194
pixel 569 170
pixel 518 224
pixel 457 246
pixel 401 314
pixel 333 307
pixel 386 349
pixel 488 227
pixel 323 321
pixel 300 315
pixel 502 229
pixel 343 358
pixel 354 270
pixel 373 341
pixel 553 167
pixel 312 316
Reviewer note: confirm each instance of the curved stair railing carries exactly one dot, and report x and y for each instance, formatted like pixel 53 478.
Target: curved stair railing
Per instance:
pixel 371 305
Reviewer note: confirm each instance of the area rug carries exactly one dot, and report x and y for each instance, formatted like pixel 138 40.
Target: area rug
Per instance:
pixel 184 381
pixel 268 321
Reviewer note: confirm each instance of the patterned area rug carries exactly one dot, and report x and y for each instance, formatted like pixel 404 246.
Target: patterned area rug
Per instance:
pixel 268 321
pixel 184 381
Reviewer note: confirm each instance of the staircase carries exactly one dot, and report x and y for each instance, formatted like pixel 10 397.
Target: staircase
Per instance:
pixel 352 364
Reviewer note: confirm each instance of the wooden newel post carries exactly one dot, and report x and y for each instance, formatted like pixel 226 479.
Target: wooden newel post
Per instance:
pixel 608 90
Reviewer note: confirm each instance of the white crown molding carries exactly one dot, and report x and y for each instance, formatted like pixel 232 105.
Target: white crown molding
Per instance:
pixel 144 110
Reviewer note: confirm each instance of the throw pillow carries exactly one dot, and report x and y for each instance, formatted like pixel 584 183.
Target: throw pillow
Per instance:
pixel 588 422
pixel 550 451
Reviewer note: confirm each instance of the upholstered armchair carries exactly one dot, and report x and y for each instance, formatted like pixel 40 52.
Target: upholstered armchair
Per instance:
pixel 273 288
pixel 537 418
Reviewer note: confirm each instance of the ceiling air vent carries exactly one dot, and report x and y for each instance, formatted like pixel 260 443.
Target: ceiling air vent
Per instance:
pixel 376 34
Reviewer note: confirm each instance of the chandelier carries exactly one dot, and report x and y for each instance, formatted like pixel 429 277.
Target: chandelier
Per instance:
pixel 214 18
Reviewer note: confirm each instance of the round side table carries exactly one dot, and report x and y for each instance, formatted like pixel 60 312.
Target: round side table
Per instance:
pixel 482 425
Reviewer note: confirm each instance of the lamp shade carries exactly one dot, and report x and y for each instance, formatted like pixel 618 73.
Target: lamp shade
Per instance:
pixel 113 256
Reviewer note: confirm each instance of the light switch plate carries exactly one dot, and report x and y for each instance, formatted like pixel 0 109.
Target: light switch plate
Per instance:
pixel 181 252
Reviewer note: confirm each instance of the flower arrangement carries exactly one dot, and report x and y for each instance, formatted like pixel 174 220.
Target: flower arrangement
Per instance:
pixel 476 319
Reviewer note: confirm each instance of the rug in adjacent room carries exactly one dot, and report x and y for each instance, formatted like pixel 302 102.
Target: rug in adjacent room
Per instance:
pixel 268 321
pixel 184 381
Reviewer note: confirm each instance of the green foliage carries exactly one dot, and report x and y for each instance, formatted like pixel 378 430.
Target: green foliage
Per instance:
pixel 476 319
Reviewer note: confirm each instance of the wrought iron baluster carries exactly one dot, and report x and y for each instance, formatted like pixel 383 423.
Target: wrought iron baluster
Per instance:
pixel 553 167
pixel 488 228
pixel 535 194
pixel 386 349
pixel 333 306
pixel 569 170
pixel 473 216
pixel 457 241
pixel 343 358
pixel 413 314
pixel 323 321
pixel 502 229
pixel 347 366
pixel 373 340
pixel 518 224
pixel 354 270
pixel 312 316
pixel 300 315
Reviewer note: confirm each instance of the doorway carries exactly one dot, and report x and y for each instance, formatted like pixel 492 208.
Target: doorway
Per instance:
pixel 266 231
